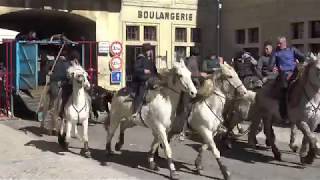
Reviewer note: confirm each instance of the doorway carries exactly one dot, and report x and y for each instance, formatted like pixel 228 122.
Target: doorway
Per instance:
pixel 132 53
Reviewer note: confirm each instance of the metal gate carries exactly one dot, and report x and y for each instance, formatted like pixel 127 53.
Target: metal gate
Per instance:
pixel 26 65
pixel 6 80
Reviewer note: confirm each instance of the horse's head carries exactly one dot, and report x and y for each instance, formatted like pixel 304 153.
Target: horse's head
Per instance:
pixel 312 71
pixel 79 76
pixel 183 78
pixel 230 80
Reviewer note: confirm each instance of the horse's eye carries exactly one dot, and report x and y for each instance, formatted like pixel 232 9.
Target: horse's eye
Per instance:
pixel 179 76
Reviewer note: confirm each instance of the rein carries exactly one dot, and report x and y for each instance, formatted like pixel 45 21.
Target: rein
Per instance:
pixel 315 108
pixel 79 111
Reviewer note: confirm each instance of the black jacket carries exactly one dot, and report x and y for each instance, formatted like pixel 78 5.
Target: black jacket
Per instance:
pixel 140 65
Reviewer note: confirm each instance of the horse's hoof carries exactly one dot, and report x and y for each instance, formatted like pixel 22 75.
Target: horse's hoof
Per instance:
pixel 309 159
pixel 303 160
pixel 109 153
pixel 294 148
pixel 199 171
pixel 62 139
pixel 153 166
pixel 277 157
pixel 226 174
pixel 66 146
pixel 174 175
pixel 118 146
pixel 87 154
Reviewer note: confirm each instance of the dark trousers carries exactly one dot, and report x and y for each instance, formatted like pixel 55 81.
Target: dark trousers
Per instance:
pixel 66 93
pixel 140 90
pixel 284 78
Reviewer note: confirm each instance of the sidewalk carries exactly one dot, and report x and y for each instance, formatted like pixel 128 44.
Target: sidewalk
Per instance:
pixel 20 158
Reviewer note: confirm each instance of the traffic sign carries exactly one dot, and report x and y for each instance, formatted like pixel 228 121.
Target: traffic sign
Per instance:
pixel 103 47
pixel 116 63
pixel 116 77
pixel 116 48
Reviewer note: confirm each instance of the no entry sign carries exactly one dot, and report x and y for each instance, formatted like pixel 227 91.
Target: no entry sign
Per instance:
pixel 116 48
pixel 116 63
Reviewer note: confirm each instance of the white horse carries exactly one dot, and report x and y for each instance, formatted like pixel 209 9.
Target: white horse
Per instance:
pixel 157 114
pixel 303 110
pixel 77 108
pixel 206 115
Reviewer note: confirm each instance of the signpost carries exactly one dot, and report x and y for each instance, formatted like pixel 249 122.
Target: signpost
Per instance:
pixel 103 47
pixel 116 48
pixel 116 63
pixel 116 77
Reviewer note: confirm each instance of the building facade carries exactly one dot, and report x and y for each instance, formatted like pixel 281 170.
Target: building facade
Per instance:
pixel 247 25
pixel 171 26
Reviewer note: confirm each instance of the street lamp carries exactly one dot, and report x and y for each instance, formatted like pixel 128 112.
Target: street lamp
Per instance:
pixel 219 8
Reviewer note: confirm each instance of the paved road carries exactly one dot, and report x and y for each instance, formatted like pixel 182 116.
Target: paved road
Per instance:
pixel 243 162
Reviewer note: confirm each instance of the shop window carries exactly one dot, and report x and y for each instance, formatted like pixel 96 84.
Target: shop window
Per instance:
pixel 133 33
pixel 180 52
pixel 240 36
pixel 253 34
pixel 300 47
pixel 181 34
pixel 297 30
pixel 195 35
pixel 150 33
pixel 315 48
pixel 315 29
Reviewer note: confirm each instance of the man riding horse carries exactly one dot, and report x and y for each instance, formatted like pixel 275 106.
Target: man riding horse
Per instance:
pixel 246 67
pixel 285 59
pixel 145 73
pixel 59 77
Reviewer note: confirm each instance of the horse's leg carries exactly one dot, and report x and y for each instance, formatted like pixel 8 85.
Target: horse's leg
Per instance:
pixel 164 140
pixel 254 126
pixel 62 134
pixel 86 139
pixel 123 126
pixel 270 137
pixel 153 150
pixel 303 126
pixel 208 138
pixel 198 161
pixel 111 129
pixel 304 148
pixel 68 133
pixel 293 135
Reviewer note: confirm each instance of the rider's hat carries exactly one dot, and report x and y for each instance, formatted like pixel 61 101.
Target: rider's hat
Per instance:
pixel 146 47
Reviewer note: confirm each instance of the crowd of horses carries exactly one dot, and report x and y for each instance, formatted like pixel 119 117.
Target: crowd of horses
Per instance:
pixel 224 101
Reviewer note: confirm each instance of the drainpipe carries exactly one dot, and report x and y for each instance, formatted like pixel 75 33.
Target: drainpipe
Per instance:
pixel 219 8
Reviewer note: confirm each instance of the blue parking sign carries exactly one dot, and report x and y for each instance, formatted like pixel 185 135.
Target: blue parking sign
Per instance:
pixel 116 77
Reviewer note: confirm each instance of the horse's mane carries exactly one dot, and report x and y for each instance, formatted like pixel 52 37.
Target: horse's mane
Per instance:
pixel 296 89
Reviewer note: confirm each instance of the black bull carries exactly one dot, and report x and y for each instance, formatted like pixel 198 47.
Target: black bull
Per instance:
pixel 100 98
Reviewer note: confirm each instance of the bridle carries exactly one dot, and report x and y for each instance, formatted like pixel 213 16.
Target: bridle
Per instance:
pixel 313 88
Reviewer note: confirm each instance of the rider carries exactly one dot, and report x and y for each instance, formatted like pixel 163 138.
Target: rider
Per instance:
pixel 264 62
pixel 65 81
pixel 286 60
pixel 145 72
pixel 246 67
pixel 210 64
